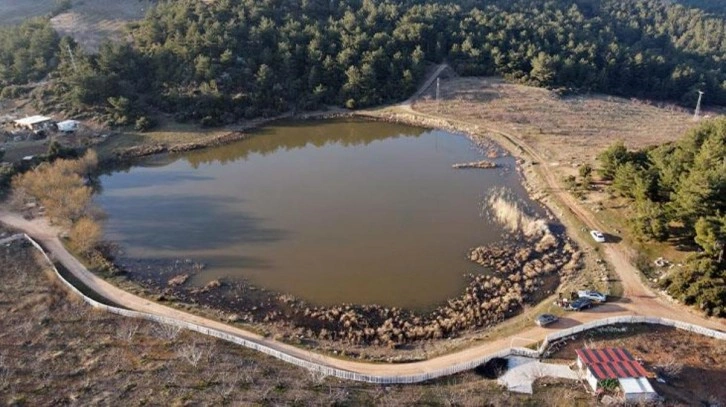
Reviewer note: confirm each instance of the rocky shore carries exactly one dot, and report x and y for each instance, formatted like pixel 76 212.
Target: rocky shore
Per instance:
pixel 483 164
pixel 523 269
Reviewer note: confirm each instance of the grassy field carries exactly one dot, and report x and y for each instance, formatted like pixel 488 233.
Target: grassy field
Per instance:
pixel 568 131
pixel 90 22
pixel 167 133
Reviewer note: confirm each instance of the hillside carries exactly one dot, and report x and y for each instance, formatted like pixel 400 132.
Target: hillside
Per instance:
pixel 214 63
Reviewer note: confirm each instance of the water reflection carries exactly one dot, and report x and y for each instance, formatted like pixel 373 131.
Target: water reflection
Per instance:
pixel 330 211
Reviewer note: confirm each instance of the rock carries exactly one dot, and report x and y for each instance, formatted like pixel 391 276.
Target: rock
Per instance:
pixel 178 280
pixel 483 164
pixel 608 400
pixel 212 285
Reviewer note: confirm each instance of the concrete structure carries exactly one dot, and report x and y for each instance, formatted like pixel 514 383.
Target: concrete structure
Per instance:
pixel 637 389
pixel 68 126
pixel 523 371
pixel 618 364
pixel 34 123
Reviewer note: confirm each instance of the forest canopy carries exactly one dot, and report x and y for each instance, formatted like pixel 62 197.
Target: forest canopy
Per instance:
pixel 215 62
pixel 679 193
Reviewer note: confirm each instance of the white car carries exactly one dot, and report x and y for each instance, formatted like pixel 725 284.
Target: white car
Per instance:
pixel 598 236
pixel 592 295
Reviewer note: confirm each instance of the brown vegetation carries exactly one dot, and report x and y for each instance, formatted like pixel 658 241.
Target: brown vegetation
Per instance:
pixel 518 273
pixel 60 187
pixel 85 234
pixel 564 129
pixel 55 350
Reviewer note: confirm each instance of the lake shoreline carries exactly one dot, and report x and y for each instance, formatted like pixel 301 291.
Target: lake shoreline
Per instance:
pixel 374 331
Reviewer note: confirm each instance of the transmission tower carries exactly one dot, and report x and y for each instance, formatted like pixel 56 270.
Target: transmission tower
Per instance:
pixel 698 105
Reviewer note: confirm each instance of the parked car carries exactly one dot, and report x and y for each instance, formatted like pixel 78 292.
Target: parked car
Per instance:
pixel 580 304
pixel 598 236
pixel 545 319
pixel 593 295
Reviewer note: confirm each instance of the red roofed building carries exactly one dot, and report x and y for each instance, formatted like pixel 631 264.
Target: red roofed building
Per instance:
pixel 616 364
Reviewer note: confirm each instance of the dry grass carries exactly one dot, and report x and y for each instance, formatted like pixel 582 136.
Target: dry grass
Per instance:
pixel 564 129
pixel 167 133
pixel 56 350
pixel 90 22
pixel 508 214
pixel 567 132
pixel 696 364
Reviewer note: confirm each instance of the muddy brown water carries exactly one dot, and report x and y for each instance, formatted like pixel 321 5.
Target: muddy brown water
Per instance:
pixel 335 211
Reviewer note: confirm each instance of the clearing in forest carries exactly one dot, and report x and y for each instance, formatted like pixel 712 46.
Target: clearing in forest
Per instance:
pixel 91 22
pixel 564 129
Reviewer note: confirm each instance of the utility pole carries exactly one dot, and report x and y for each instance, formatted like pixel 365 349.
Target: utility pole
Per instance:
pixel 698 106
pixel 438 85
pixel 73 60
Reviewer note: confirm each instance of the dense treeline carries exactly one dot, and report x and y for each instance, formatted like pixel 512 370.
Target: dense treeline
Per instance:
pixel 679 191
pixel 27 52
pixel 218 61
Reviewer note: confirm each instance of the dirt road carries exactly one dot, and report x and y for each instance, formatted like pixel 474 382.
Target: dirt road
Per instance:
pixel 637 299
pixel 48 237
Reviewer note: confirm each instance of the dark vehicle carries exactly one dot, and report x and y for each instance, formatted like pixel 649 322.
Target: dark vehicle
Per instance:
pixel 580 304
pixel 545 319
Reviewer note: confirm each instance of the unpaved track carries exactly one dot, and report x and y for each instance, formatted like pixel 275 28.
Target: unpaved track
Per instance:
pixel 47 236
pixel 637 299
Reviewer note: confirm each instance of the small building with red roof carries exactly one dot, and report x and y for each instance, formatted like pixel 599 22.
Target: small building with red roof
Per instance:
pixel 604 364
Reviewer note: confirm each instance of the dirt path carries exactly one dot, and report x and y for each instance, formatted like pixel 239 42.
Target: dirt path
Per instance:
pixel 47 236
pixel 637 299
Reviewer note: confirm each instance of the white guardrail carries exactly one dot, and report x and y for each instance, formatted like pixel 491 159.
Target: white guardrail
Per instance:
pixel 380 379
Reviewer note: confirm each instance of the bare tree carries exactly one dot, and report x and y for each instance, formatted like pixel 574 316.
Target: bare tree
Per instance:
pixel 192 353
pixel 669 367
pixel 166 331
pixel 317 377
pixel 248 374
pixel 127 330
pixel 336 395
pixel 227 382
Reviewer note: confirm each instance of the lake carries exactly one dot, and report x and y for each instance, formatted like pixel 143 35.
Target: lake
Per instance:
pixel 334 211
